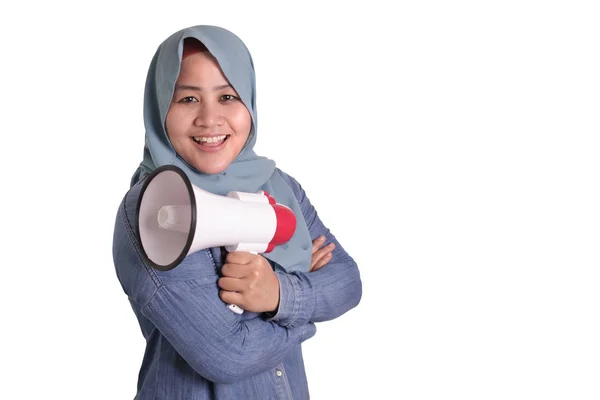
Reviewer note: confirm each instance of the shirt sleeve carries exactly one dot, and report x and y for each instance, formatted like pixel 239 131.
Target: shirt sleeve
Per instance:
pixel 218 344
pixel 324 294
pixel 184 305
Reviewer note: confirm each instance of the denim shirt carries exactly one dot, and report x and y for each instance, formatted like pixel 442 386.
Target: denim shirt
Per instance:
pixel 197 349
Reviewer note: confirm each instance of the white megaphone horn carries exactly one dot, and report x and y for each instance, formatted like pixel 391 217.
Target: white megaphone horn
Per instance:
pixel 176 218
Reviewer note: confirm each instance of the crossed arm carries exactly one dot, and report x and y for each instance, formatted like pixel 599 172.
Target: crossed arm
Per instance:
pixel 187 307
pixel 330 288
pixel 249 281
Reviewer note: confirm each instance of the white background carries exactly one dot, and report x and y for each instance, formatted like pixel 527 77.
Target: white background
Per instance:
pixel 451 146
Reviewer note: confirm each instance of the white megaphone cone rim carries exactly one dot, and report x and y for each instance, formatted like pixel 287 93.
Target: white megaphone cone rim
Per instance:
pixel 192 202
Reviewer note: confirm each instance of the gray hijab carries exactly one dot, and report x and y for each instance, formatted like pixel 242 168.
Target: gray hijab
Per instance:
pixel 248 172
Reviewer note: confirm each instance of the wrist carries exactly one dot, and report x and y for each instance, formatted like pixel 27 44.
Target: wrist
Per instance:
pixel 276 296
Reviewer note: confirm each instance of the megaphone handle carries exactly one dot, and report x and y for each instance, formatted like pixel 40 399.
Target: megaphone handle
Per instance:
pixel 235 308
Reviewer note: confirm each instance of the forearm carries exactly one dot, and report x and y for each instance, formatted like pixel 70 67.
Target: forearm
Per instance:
pixel 184 305
pixel 218 344
pixel 321 295
pixel 324 294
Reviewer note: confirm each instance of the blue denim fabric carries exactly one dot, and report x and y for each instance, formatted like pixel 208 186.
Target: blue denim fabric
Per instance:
pixel 197 349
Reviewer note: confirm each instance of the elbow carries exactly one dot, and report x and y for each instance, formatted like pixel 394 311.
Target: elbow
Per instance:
pixel 356 290
pixel 222 370
pixel 230 361
pixel 224 374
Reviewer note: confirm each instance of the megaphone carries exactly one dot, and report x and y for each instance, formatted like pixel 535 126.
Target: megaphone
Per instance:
pixel 175 218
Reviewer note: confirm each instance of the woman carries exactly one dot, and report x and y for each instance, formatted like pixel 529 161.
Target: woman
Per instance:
pixel 200 115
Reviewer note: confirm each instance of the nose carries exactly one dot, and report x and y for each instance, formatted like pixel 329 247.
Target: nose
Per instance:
pixel 209 114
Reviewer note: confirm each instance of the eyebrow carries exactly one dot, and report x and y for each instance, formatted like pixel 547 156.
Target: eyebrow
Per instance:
pixel 199 89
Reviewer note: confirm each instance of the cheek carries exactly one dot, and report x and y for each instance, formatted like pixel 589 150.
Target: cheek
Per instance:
pixel 174 124
pixel 242 122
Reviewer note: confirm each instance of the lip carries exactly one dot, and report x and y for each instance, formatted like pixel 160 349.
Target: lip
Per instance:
pixel 210 148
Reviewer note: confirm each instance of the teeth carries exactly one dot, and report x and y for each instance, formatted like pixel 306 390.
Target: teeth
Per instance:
pixel 214 139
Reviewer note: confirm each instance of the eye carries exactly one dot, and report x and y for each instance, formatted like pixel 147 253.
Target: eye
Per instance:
pixel 227 98
pixel 188 99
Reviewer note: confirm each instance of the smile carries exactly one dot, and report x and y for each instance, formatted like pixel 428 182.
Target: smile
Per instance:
pixel 211 144
pixel 210 139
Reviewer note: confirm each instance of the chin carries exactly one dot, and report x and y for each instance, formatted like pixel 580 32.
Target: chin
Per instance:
pixel 211 170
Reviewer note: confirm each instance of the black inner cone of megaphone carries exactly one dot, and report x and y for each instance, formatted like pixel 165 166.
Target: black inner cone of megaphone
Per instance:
pixel 163 249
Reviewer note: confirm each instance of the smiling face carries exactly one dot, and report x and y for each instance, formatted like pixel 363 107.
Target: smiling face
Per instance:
pixel 207 123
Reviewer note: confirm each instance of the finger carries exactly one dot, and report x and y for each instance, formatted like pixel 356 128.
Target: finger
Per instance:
pixel 322 262
pixel 317 257
pixel 240 257
pixel 323 251
pixel 234 270
pixel 231 284
pixel 318 242
pixel 232 298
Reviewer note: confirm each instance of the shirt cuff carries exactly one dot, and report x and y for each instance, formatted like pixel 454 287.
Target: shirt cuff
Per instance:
pixel 287 311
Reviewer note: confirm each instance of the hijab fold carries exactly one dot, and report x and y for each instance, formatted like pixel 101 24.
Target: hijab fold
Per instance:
pixel 248 172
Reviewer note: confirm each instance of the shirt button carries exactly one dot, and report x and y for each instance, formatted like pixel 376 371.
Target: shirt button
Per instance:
pixel 278 373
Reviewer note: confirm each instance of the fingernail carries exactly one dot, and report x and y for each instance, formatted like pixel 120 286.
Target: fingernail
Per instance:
pixel 321 238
